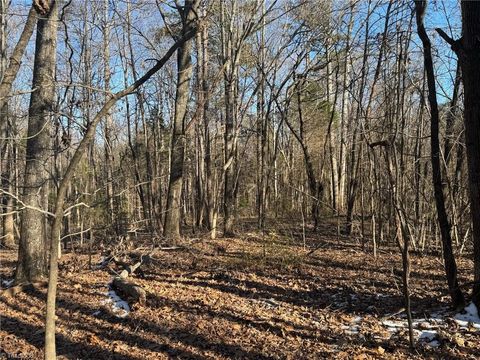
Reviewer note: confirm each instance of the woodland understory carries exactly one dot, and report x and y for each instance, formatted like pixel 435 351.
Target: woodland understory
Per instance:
pixel 264 295
pixel 278 179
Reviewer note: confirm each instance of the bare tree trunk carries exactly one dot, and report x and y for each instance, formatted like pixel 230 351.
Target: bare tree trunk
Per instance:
pixel 205 194
pixel 11 70
pixel 8 175
pixel 8 73
pixel 32 261
pixel 184 74
pixel 108 119
pixel 6 146
pixel 209 191
pixel 456 294
pixel 468 50
pixel 229 194
pixel 314 186
pixel 229 167
pixel 50 347
pixel 262 132
pixel 342 128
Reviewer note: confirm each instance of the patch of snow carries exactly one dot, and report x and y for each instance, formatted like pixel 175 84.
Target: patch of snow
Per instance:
pixel 433 343
pixel 7 283
pixel 428 335
pixel 354 327
pixel 428 338
pixel 436 319
pixel 120 307
pixel 351 330
pixel 469 316
pixel 357 319
pixel 394 324
pixel 96 313
pixel 421 327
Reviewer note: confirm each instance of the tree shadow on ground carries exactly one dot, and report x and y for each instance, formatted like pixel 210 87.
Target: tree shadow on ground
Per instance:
pixel 157 336
pixel 34 335
pixel 131 335
pixel 344 298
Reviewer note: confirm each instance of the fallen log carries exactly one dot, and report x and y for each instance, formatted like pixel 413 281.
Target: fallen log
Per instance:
pixel 133 292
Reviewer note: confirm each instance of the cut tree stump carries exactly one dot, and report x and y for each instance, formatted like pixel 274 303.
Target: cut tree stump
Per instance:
pixel 133 292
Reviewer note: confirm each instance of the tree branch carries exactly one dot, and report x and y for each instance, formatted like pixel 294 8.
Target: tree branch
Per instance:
pixel 445 37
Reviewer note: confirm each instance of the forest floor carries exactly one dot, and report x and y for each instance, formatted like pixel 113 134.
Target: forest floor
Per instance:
pixel 256 296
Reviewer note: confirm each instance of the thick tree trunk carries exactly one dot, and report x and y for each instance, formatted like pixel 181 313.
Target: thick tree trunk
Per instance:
pixel 184 74
pixel 469 56
pixel 32 260
pixel 456 295
pixel 208 191
pixel 230 165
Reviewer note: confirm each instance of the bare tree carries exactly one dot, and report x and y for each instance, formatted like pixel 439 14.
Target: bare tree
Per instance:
pixel 11 70
pixel 50 347
pixel 32 253
pixel 456 294
pixel 188 15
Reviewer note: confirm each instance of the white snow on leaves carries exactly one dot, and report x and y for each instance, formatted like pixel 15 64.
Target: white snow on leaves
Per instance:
pixel 426 330
pixel 468 317
pixel 7 283
pixel 120 307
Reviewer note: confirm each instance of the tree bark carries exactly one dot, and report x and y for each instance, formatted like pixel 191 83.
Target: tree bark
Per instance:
pixel 32 260
pixel 6 147
pixel 15 60
pixel 458 301
pixel 469 56
pixel 230 148
pixel 184 73
pixel 108 119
